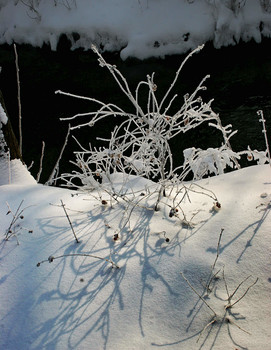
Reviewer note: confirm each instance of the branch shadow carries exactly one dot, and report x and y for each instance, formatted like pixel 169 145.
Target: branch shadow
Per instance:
pixel 85 306
pixel 258 225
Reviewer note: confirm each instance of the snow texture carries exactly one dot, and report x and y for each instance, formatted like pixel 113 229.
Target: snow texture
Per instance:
pixel 79 302
pixel 3 116
pixel 14 172
pixel 138 28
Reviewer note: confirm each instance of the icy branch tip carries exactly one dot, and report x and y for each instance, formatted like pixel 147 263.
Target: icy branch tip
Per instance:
pixel 200 47
pixel 94 48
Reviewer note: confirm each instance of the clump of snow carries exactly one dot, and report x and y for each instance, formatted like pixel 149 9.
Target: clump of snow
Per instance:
pixel 140 28
pixel 3 116
pixel 11 171
pixel 14 172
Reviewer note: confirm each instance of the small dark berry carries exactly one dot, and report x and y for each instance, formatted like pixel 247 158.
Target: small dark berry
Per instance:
pixel 104 202
pixel 167 239
pixel 38 264
pixel 21 217
pixel 51 259
pixel 116 236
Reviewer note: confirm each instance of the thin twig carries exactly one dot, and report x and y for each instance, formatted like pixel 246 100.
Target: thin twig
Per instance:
pixel 226 286
pixel 14 219
pixel 260 113
pixel 52 258
pixel 41 161
pixel 63 206
pixel 19 100
pixel 208 325
pixel 11 231
pixel 242 329
pixel 55 169
pixel 236 289
pixel 237 301
pixel 217 255
pixel 194 290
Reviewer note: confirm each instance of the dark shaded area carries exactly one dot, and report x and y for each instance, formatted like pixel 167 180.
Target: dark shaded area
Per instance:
pixel 9 136
pixel 240 84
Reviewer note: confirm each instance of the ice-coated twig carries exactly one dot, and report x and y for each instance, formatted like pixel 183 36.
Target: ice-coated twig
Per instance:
pixel 41 161
pixel 19 100
pixel 178 73
pixel 54 173
pixel 260 113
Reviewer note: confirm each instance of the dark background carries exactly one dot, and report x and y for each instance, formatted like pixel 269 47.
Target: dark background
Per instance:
pixel 240 84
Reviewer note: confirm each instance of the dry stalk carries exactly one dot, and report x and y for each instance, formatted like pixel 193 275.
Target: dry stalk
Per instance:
pixel 52 258
pixel 67 216
pixel 19 100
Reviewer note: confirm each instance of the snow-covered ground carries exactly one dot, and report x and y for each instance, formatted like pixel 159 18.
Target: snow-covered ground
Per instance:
pixel 139 28
pixel 83 302
pixel 138 278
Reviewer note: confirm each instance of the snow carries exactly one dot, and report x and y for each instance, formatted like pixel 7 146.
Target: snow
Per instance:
pixel 138 28
pixel 80 302
pixel 3 116
pixel 138 278
pixel 14 172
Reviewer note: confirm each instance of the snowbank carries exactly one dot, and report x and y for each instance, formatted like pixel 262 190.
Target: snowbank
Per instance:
pixel 140 28
pixel 14 172
pixel 79 302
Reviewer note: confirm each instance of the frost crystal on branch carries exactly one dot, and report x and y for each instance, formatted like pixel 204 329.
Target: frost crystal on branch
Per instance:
pixel 139 145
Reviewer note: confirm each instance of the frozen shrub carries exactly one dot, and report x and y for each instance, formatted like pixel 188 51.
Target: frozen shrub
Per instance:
pixel 139 144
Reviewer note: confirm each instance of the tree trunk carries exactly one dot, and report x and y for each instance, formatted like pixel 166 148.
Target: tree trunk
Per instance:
pixel 9 135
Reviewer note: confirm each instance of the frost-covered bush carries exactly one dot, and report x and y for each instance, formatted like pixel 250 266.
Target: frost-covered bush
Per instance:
pixel 139 144
pixel 216 160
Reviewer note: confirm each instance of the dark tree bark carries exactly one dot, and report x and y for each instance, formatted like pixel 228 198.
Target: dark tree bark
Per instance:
pixel 9 135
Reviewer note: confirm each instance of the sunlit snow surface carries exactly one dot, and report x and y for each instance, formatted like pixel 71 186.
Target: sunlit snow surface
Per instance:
pixel 81 302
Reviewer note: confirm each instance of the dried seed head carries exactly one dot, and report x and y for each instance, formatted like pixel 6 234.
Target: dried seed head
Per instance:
pixel 51 259
pixel 172 212
pixel 217 206
pixel 115 237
